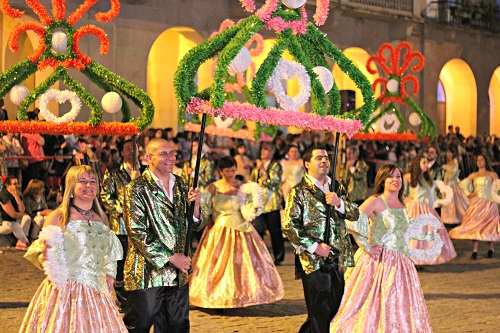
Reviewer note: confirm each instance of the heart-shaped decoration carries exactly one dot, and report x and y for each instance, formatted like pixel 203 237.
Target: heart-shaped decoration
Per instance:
pixel 389 123
pixel 219 123
pixel 286 70
pixel 61 97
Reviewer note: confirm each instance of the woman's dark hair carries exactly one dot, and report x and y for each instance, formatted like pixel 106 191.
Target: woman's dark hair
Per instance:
pixel 487 164
pixel 384 173
pixel 226 162
pixel 416 173
pixel 8 180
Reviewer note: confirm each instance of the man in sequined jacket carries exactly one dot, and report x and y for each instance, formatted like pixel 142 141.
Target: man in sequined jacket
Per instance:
pixel 267 173
pixel 155 214
pixel 112 198
pixel 317 260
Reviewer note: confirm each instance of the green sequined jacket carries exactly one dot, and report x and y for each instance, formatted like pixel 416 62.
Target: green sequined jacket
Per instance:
pixel 304 224
pixel 157 230
pixel 112 197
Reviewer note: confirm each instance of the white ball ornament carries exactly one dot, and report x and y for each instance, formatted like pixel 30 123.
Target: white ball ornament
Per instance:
pixel 111 102
pixel 241 62
pixel 392 85
pixel 59 41
pixel 18 93
pixel 325 77
pixel 294 3
pixel 414 119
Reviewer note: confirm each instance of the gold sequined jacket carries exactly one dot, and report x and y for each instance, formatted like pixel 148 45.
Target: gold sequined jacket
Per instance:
pixel 206 173
pixel 112 197
pixel 304 224
pixel 272 195
pixel 157 230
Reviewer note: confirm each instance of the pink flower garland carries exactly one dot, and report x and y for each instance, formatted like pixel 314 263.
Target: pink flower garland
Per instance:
pixel 227 132
pixel 248 5
pixel 321 11
pixel 265 12
pixel 298 27
pixel 277 117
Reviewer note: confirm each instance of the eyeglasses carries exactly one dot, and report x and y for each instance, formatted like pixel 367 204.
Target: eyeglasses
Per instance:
pixel 165 154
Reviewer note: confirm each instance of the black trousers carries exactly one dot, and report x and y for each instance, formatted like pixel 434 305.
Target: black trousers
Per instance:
pixel 323 291
pixel 272 222
pixel 167 308
pixel 121 293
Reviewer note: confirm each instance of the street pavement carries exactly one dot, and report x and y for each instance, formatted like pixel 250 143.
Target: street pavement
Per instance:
pixel 463 296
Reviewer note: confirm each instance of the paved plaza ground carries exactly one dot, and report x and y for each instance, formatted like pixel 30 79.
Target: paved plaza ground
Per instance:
pixel 462 296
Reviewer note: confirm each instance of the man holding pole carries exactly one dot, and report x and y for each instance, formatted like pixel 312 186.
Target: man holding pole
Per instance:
pixel 306 226
pixel 156 216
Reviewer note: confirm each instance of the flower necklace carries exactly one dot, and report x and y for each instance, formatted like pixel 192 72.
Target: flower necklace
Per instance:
pixel 86 213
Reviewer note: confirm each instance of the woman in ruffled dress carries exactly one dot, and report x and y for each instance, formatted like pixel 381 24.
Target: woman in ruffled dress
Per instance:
pixel 455 211
pixel 232 267
pixel 78 252
pixel 420 200
pixel 382 292
pixel 293 169
pixel 481 221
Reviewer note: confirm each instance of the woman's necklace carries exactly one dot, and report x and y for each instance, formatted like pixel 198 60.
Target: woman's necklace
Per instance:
pixel 86 213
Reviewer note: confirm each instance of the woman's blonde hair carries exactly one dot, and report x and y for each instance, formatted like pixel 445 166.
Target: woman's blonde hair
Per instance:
pixel 72 177
pixel 33 188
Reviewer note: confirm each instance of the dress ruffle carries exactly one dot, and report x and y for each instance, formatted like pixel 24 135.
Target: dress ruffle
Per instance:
pixel 455 211
pixel 75 308
pixel 382 295
pixel 481 222
pixel 448 252
pixel 233 269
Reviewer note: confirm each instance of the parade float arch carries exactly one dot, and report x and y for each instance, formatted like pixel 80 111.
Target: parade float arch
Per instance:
pixel 163 59
pixel 460 90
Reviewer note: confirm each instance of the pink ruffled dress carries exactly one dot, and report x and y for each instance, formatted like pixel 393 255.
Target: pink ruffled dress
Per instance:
pixel 418 202
pixel 481 221
pixel 383 293
pixel 84 303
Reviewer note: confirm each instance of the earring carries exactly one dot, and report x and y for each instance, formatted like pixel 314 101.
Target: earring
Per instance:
pixel 71 195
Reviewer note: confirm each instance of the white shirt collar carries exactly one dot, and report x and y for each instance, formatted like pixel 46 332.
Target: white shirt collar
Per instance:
pixel 324 188
pixel 171 183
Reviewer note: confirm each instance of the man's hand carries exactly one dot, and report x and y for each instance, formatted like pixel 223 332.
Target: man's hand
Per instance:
pixel 332 199
pixel 323 250
pixel 181 262
pixel 194 194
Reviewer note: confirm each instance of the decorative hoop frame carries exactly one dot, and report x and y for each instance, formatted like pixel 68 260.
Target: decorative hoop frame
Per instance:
pixel 415 230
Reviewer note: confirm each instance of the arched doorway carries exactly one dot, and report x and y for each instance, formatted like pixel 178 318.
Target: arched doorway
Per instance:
pixel 494 95
pixel 460 91
pixel 166 52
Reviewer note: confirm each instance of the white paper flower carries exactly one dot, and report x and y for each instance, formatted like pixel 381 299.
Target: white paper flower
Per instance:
pixel 288 70
pixel 414 119
pixel 220 123
pixel 388 123
pixel 392 85
pixel 60 97
pixel 447 194
pixel 250 210
pixel 18 93
pixel 55 266
pixel 416 231
pixel 495 189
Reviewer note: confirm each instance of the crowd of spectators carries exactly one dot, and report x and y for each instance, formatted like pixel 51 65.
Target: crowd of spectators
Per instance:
pixel 37 163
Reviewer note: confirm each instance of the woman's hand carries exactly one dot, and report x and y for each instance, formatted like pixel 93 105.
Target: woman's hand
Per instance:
pixel 110 281
pixel 45 247
pixel 375 251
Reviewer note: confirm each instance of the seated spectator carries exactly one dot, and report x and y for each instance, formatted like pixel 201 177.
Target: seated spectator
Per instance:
pixel 35 205
pixel 14 220
pixel 54 198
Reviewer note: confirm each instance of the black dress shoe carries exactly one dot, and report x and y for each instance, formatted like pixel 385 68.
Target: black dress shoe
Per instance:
pixel 474 255
pixel 278 262
pixel 490 253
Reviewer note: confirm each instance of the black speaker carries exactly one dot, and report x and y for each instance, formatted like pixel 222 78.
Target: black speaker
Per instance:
pixel 347 101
